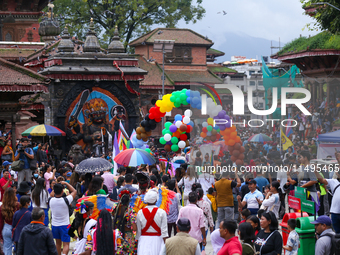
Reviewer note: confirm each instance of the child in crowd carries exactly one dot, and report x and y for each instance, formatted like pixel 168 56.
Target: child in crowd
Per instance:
pixel 212 197
pixel 293 242
pixel 245 213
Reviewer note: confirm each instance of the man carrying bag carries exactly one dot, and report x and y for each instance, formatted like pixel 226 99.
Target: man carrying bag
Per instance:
pixel 25 154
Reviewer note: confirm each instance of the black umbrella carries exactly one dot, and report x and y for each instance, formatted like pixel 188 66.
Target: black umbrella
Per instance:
pixel 92 165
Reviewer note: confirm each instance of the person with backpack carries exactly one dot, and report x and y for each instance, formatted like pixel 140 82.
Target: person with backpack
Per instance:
pixel 61 220
pixel 323 229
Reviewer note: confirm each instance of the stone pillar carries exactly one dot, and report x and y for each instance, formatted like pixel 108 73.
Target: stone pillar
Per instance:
pixel 15 118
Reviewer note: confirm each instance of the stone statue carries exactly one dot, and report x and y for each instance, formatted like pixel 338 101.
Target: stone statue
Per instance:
pixel 76 153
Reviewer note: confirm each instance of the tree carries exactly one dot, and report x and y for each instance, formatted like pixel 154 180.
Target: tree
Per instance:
pixel 133 17
pixel 326 16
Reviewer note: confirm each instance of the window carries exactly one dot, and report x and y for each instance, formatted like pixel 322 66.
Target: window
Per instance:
pixel 261 94
pixel 252 83
pixel 261 105
pixel 251 72
pixel 260 83
pixel 254 94
pixel 180 54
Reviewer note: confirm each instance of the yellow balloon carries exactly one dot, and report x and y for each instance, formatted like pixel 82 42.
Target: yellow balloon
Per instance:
pixel 210 121
pixel 162 109
pixel 159 103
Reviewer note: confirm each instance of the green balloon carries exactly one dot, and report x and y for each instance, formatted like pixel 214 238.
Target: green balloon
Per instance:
pixel 167 125
pixel 174 140
pixel 147 150
pixel 172 98
pixel 174 147
pixel 209 128
pixel 177 104
pixel 162 140
pixel 164 131
pixel 183 97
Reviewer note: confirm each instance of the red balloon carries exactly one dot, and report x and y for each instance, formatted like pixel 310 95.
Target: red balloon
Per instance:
pixel 218 136
pixel 158 119
pixel 183 128
pixel 183 137
pixel 242 149
pixel 233 158
pixel 176 134
pixel 237 146
pixel 241 157
pixel 167 147
pixel 230 148
pixel 189 128
pixel 205 130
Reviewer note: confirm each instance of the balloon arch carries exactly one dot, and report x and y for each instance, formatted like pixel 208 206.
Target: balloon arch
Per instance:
pixel 176 135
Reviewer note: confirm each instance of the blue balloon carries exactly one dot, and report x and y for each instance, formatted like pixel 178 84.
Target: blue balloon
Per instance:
pixel 199 106
pixel 195 100
pixel 188 92
pixel 191 123
pixel 178 117
pixel 188 100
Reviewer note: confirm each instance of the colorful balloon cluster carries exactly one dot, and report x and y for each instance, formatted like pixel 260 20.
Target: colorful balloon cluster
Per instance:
pixel 209 131
pixel 220 123
pixel 166 104
pixel 176 135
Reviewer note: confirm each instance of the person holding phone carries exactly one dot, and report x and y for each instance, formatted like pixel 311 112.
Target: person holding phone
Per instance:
pixel 5 182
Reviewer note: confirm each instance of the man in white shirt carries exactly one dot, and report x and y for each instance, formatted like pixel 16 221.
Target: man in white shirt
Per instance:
pixel 60 215
pixel 152 227
pixel 253 199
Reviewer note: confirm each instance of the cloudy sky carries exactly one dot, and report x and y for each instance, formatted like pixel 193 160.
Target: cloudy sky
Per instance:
pixel 268 19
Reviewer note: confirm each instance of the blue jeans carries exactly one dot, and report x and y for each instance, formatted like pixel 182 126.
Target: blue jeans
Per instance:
pixel 206 233
pixel 46 217
pixel 7 235
pixel 336 222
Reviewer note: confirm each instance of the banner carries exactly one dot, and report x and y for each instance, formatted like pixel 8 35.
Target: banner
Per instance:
pixel 294 202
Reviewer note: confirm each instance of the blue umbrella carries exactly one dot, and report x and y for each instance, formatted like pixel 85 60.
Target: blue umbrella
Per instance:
pixel 260 138
pixel 92 165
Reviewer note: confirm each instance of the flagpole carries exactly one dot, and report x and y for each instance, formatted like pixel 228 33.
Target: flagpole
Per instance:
pixel 280 139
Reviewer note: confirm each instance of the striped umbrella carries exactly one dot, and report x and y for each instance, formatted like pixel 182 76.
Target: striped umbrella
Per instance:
pixel 43 130
pixel 134 157
pixel 260 138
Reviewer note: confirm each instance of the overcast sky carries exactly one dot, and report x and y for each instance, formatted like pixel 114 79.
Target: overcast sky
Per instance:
pixel 269 19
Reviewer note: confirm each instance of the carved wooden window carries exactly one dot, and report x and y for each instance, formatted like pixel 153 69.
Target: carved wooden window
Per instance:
pixel 180 54
pixel 8 37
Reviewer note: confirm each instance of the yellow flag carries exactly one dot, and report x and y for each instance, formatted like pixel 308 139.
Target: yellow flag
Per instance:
pixel 285 142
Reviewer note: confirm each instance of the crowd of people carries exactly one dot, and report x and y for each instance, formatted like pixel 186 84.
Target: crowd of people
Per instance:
pixel 239 208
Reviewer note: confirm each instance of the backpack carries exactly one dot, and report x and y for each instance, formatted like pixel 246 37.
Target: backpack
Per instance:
pixel 70 210
pixel 335 239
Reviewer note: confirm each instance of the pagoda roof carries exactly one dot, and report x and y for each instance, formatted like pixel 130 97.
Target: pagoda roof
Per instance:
pixel 19 50
pixel 15 78
pixel 219 69
pixel 322 41
pixel 215 52
pixel 180 35
pixel 187 77
pixel 154 78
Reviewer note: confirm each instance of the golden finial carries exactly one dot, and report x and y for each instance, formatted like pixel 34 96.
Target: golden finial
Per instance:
pixel 91 19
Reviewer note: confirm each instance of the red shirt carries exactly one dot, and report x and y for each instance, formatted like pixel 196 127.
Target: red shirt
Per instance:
pixel 231 246
pixel 3 181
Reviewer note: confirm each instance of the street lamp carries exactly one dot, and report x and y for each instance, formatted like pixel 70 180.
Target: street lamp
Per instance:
pixel 164 46
pixel 323 3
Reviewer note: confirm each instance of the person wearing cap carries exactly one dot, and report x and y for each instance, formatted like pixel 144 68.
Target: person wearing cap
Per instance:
pixel 253 199
pixel 323 229
pixel 196 217
pixel 5 182
pixel 152 227
pixel 182 243
pixel 26 154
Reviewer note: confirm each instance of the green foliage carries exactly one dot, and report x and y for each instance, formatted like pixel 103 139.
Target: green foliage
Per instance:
pixel 133 17
pixel 327 17
pixel 323 40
